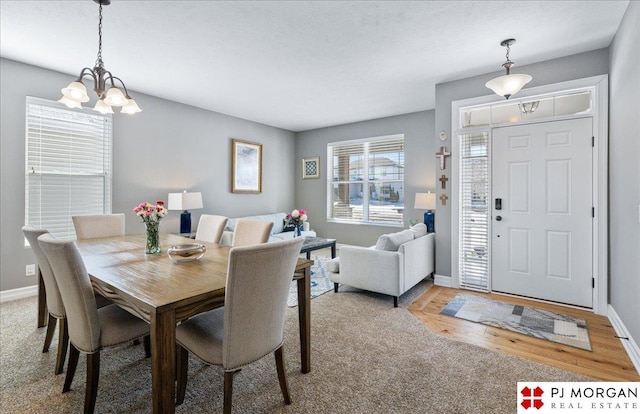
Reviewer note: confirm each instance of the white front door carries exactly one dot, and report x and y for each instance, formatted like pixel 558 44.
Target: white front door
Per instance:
pixel 542 236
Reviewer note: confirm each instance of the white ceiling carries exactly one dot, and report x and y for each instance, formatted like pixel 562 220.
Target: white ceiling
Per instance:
pixel 301 65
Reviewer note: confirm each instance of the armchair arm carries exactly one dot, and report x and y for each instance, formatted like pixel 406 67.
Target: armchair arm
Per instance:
pixel 375 270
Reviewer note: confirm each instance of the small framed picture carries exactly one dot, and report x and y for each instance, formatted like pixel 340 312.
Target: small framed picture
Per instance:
pixel 311 167
pixel 246 167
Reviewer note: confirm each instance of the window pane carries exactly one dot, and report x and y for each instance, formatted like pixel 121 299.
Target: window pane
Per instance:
pixel 376 164
pixel 68 165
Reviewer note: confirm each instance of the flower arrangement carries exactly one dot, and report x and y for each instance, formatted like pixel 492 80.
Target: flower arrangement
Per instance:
pixel 151 213
pixel 151 216
pixel 296 217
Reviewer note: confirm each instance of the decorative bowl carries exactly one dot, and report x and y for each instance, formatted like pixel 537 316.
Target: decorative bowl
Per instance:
pixel 186 252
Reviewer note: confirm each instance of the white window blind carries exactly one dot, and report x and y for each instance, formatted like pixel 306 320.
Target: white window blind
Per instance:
pixel 366 180
pixel 68 165
pixel 474 211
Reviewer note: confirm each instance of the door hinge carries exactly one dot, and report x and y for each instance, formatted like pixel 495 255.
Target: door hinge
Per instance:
pixel 593 283
pixel 593 211
pixel 593 141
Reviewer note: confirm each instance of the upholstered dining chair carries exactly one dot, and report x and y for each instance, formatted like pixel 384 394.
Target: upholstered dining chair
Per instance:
pixel 102 225
pixel 249 231
pixel 54 300
pixel 210 228
pixel 251 323
pixel 90 329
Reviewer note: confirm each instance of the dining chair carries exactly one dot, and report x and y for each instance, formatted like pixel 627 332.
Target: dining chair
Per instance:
pixel 90 329
pixel 101 225
pixel 250 325
pixel 210 228
pixel 54 300
pixel 250 231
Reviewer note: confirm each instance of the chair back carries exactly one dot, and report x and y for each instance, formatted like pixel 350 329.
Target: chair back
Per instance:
pixel 76 291
pixel 258 281
pixel 210 228
pixel 250 231
pixel 54 300
pixel 101 225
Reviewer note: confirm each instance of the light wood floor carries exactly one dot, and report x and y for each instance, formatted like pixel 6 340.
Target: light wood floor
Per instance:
pixel 607 362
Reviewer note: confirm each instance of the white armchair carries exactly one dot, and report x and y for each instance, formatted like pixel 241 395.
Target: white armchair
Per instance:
pixel 385 271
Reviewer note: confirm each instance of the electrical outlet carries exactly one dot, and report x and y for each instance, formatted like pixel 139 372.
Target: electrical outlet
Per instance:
pixel 30 270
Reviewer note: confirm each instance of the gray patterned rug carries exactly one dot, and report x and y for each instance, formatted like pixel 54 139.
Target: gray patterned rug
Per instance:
pixel 320 282
pixel 537 323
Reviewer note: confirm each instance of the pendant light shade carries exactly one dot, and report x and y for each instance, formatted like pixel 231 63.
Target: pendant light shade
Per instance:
pixel 102 107
pixel 508 84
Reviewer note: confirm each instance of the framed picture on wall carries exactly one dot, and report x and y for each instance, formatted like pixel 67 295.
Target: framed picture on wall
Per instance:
pixel 246 167
pixel 311 167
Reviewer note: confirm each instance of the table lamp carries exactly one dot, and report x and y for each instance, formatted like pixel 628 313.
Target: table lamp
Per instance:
pixel 185 201
pixel 427 201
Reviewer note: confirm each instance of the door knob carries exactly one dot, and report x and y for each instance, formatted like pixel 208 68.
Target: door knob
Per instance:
pixel 499 218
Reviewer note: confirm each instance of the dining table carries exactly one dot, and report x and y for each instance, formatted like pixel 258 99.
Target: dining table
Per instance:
pixel 164 293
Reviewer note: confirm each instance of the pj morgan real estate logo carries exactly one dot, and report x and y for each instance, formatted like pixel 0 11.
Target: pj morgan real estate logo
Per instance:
pixel 578 397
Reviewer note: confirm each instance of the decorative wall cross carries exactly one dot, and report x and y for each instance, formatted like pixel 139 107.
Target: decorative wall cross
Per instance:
pixel 443 179
pixel 444 199
pixel 442 155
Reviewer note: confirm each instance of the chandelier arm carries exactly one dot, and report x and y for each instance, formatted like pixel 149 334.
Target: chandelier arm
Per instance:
pixel 88 71
pixel 111 77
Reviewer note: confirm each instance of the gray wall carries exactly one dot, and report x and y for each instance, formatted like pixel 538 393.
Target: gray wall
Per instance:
pixel 420 146
pixel 624 171
pixel 166 148
pixel 578 66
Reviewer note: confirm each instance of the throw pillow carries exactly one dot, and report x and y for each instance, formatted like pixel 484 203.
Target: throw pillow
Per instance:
pixel 391 242
pixel 288 226
pixel 419 230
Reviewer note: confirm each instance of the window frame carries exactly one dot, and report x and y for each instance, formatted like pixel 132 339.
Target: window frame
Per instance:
pixel 68 165
pixel 368 178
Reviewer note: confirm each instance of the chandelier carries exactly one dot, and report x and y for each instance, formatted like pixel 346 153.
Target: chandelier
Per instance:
pixel 509 84
pixel 76 93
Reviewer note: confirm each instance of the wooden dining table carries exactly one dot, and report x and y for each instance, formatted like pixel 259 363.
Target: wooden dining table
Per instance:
pixel 162 293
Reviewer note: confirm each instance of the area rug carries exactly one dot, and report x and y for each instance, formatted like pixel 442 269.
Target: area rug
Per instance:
pixel 537 323
pixel 320 282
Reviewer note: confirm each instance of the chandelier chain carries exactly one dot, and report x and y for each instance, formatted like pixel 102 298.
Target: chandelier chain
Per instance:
pixel 508 51
pixel 99 62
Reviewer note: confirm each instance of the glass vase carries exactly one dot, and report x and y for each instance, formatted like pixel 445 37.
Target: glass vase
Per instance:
pixel 153 237
pixel 298 231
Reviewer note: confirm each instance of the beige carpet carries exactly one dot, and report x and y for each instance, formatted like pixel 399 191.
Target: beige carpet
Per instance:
pixel 367 357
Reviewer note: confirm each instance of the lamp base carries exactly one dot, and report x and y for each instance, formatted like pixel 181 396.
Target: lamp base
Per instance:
pixel 185 222
pixel 429 220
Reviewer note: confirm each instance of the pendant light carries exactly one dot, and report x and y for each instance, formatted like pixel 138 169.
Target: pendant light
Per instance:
pixel 508 84
pixel 76 93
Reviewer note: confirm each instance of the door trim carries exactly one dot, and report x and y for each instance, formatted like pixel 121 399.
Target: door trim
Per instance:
pixel 600 176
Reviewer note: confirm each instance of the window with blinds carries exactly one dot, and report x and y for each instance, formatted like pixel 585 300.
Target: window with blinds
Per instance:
pixel 474 211
pixel 366 181
pixel 68 165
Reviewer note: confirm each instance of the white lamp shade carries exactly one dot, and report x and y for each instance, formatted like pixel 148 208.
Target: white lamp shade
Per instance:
pixel 71 103
pixel 102 107
pixel 131 107
pixel 115 97
pixel 425 201
pixel 184 201
pixel 508 85
pixel 76 91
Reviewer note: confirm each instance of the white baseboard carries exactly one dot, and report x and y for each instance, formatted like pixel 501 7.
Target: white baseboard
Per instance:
pixel 13 294
pixel 630 344
pixel 439 280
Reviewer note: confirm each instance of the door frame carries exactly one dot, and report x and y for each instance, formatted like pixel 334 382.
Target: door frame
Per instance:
pixel 599 114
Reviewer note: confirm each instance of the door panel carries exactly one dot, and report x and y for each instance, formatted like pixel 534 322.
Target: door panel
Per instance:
pixel 541 239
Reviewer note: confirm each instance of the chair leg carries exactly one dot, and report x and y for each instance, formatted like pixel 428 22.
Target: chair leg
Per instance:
pixel 282 375
pixel 74 354
pixel 182 360
pixel 51 327
pixel 228 391
pixel 93 375
pixel 63 344
pixel 335 287
pixel 395 301
pixel 147 346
